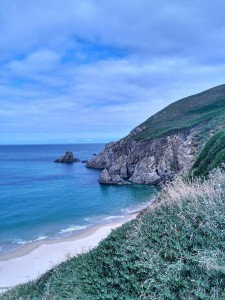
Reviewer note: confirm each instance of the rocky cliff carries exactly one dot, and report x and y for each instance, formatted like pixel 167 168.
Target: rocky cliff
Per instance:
pixel 164 145
pixel 141 162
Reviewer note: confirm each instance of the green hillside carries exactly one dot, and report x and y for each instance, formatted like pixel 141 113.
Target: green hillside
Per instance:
pixel 211 156
pixel 173 250
pixel 206 108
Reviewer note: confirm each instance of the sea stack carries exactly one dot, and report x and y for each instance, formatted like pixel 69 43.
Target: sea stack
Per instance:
pixel 67 158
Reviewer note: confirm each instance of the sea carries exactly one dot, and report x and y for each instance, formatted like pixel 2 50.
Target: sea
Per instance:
pixel 41 199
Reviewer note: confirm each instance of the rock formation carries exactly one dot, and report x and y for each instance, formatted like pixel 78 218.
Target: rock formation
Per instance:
pixel 67 158
pixel 153 162
pixel 106 178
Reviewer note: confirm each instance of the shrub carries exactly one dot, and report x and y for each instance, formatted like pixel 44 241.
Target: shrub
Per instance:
pixel 211 156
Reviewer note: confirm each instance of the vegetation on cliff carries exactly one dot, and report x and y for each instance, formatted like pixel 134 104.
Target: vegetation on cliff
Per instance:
pixel 172 250
pixel 211 156
pixel 206 108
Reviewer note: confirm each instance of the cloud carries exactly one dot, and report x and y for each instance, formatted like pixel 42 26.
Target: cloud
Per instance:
pixel 79 70
pixel 36 62
pixel 156 28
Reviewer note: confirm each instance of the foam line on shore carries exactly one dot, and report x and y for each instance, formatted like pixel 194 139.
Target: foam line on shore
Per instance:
pixel 42 255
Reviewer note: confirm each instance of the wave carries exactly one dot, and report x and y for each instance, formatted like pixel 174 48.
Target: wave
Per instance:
pixel 41 238
pixel 21 242
pixel 92 221
pixel 73 228
pixel 102 219
pixel 17 243
pixel 113 217
pixel 136 209
pixel 88 219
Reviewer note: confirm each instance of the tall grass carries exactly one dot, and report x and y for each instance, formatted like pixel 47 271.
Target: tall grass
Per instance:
pixel 211 156
pixel 175 249
pixel 191 235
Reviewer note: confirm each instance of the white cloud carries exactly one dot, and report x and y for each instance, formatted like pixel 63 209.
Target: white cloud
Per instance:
pixel 150 27
pixel 38 61
pixel 95 69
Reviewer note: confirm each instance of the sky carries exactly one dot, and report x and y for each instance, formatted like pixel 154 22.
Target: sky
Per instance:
pixel 86 71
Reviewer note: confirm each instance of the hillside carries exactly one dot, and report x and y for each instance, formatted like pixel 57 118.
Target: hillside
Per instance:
pixel 185 113
pixel 172 250
pixel 211 156
pixel 166 144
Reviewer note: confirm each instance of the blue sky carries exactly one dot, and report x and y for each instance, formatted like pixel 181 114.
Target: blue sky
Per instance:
pixel 78 71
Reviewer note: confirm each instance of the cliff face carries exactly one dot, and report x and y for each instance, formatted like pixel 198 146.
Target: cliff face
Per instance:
pixel 146 162
pixel 164 145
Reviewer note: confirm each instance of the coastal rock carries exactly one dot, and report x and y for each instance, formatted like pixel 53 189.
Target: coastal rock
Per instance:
pixel 105 178
pixel 84 161
pixel 67 158
pixel 146 162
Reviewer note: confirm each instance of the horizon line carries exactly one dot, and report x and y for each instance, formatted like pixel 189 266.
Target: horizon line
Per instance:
pixel 54 144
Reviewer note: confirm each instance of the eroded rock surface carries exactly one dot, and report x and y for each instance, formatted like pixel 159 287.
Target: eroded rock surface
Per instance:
pixel 146 162
pixel 106 178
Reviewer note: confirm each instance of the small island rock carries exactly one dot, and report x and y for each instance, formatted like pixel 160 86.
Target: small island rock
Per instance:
pixel 67 158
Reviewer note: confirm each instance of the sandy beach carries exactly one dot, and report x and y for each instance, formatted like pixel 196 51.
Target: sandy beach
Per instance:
pixel 32 260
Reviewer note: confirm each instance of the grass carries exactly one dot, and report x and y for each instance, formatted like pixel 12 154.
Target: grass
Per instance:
pixel 211 156
pixel 199 109
pixel 175 249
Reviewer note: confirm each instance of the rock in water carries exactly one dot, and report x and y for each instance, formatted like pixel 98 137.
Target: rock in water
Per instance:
pixel 67 158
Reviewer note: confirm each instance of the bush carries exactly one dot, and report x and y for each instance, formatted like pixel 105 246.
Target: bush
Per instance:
pixel 211 156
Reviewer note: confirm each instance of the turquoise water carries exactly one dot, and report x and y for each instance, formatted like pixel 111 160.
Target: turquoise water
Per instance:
pixel 40 199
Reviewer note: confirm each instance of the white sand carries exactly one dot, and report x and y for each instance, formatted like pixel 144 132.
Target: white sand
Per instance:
pixel 33 260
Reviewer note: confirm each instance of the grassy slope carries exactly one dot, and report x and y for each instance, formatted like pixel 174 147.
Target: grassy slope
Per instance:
pixel 173 250
pixel 207 108
pixel 211 156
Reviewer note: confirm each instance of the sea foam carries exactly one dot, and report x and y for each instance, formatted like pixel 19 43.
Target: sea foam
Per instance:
pixel 73 228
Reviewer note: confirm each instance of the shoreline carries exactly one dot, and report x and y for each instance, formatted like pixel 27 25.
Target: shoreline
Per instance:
pixel 79 233
pixel 66 235
pixel 43 255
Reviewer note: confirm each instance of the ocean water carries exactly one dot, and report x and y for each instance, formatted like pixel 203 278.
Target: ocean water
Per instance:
pixel 40 199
